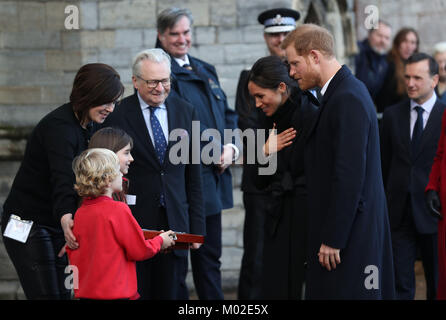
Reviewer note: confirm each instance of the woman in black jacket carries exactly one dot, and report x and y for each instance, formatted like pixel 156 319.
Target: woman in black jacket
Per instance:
pixel 42 191
pixel 290 113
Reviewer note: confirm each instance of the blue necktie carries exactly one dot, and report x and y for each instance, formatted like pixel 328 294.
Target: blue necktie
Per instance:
pixel 158 136
pixel 417 131
pixel 159 143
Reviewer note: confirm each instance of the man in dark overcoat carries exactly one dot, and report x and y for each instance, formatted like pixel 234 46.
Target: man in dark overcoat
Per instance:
pixel 196 81
pixel 349 252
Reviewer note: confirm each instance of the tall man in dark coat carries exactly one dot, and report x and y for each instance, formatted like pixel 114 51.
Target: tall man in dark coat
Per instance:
pixel 168 193
pixel 197 82
pixel 350 253
pixel 408 146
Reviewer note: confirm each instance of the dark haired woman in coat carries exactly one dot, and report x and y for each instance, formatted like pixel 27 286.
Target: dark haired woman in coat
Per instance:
pixel 42 191
pixel 290 112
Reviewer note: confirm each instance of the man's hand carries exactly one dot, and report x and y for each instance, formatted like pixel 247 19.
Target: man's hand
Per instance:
pixel 225 158
pixel 329 257
pixel 67 224
pixel 433 203
pixel 195 246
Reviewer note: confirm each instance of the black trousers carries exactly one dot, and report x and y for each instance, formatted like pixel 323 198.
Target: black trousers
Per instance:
pixel 206 262
pixel 405 242
pixel 41 272
pixel 249 286
pixel 162 277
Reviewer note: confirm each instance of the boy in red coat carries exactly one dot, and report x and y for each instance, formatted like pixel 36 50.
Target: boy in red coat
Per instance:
pixel 110 240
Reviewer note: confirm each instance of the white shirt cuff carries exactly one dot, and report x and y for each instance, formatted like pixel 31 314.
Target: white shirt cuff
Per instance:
pixel 236 151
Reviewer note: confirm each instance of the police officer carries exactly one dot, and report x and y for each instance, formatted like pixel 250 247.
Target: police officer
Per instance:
pixel 278 23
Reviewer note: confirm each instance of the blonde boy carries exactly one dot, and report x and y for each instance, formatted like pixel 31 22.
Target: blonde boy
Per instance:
pixel 110 239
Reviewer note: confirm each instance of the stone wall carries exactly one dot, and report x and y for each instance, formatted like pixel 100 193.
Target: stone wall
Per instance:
pixel 39 57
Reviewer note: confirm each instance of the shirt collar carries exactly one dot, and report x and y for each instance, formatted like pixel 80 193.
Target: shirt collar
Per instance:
pixel 144 105
pixel 325 87
pixel 182 62
pixel 427 106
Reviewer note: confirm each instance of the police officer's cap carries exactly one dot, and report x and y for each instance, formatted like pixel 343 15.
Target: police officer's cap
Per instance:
pixel 279 20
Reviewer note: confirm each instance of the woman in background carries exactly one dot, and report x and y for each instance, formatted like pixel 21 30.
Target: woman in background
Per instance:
pixel 405 43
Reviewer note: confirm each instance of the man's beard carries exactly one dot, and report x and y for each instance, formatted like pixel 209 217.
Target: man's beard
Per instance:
pixel 379 51
pixel 312 79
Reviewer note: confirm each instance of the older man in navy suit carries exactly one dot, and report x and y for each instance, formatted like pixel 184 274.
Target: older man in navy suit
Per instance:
pixel 349 253
pixel 410 134
pixel 168 192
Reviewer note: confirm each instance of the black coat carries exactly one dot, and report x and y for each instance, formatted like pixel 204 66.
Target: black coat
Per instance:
pixel 201 88
pixel 370 67
pixel 347 204
pixel 388 95
pixel 285 226
pixel 403 175
pixel 42 190
pixel 180 183
pixel 249 117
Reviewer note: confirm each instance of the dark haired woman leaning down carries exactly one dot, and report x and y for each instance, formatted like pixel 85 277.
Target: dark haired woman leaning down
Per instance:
pixel 42 191
pixel 290 112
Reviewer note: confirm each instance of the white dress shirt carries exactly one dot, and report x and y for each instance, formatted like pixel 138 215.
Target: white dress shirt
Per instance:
pixel 161 114
pixel 325 87
pixel 182 62
pixel 427 106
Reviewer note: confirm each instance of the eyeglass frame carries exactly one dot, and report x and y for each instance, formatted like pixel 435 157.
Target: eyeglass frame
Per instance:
pixel 156 82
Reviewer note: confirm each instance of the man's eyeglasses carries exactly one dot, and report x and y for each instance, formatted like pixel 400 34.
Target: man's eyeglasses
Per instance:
pixel 152 84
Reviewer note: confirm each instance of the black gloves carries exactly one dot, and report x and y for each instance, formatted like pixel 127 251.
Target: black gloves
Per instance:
pixel 433 203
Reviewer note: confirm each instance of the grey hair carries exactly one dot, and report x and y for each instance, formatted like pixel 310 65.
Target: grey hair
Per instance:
pixel 380 22
pixel 170 16
pixel 439 48
pixel 156 55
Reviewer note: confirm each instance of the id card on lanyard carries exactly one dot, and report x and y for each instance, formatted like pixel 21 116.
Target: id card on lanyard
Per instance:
pixel 17 228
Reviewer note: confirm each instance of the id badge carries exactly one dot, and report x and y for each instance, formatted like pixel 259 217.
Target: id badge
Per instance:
pixel 131 199
pixel 17 228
